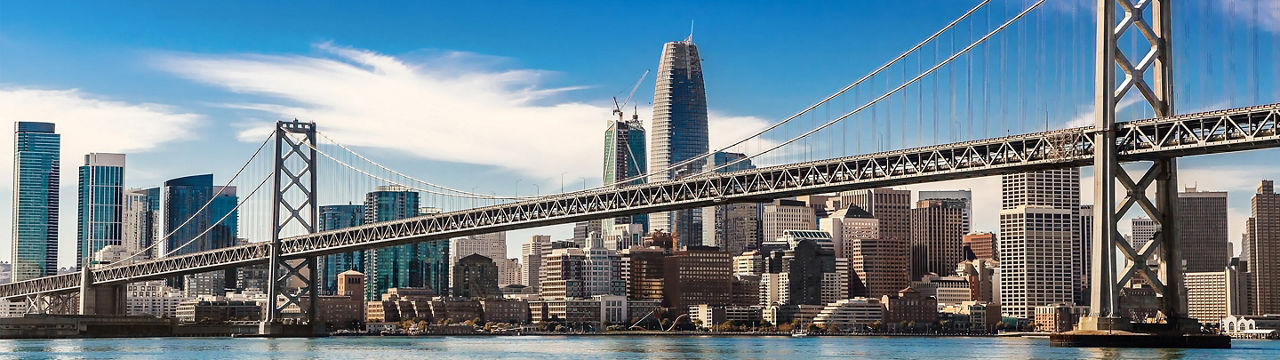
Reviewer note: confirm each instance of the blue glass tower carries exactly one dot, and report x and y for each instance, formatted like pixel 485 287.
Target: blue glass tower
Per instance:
pixel 35 205
pixel 101 203
pixel 679 132
pixel 412 265
pixel 625 157
pixel 333 217
pixel 183 199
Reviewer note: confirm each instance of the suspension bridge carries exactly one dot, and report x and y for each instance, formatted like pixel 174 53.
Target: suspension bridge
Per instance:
pixel 952 92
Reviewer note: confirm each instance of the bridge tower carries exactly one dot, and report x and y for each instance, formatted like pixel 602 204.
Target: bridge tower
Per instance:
pixel 1160 178
pixel 293 212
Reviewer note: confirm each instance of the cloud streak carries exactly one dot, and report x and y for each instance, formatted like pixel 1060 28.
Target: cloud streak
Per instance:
pixel 456 107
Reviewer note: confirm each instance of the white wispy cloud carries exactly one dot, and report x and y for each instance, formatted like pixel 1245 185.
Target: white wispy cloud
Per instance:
pixel 457 107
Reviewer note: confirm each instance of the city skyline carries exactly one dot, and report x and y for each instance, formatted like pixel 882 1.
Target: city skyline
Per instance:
pixel 229 109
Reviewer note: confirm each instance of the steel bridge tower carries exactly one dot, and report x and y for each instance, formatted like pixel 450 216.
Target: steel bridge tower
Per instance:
pixel 294 211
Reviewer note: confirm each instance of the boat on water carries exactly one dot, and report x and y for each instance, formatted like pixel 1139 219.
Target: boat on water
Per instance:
pixel 799 333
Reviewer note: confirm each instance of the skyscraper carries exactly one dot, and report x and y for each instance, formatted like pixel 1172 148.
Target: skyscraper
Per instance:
pixel 783 215
pixel 490 245
pixel 624 157
pixel 187 222
pixel 413 265
pixel 1142 230
pixel 139 223
pixel 1262 250
pixel 937 226
pixel 333 217
pixel 101 203
pixel 1057 189
pixel 531 260
pixel 679 132
pixel 35 205
pixel 965 196
pixel 732 227
pixel 893 210
pixel 1202 230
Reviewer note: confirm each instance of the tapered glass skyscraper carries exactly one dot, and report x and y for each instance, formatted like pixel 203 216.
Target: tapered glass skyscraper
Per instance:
pixel 35 200
pixel 679 132
pixel 99 215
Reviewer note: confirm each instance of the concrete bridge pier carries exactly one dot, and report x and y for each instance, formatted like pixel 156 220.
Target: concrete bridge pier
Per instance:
pixel 101 299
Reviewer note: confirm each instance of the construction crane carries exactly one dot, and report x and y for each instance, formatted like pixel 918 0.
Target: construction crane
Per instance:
pixel 617 108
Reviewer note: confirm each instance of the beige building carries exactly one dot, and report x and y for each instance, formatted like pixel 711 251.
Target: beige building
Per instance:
pixel 1036 258
pixel 1262 250
pixel 1212 296
pixel 783 215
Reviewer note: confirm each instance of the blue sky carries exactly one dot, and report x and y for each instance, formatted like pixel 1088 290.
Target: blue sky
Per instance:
pixel 498 97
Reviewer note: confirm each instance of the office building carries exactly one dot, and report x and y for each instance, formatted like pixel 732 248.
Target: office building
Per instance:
pixel 531 260
pixel 697 275
pixel 909 306
pixel 100 207
pixel 736 227
pixel 1214 295
pixel 140 223
pixel 424 264
pixel 1039 191
pixel 1202 230
pixel 1142 231
pixel 1035 258
pixel 964 197
pixel 877 266
pixel 334 217
pixel 858 313
pixel 1085 261
pixel 624 158
pixel 35 212
pixel 644 272
pixel 936 230
pixel 679 133
pixel 490 245
pixel 1262 250
pixel 783 215
pixel 509 272
pixel 475 276
pixel 981 245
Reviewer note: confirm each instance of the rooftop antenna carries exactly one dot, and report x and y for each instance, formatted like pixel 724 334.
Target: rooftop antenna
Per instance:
pixel 690 38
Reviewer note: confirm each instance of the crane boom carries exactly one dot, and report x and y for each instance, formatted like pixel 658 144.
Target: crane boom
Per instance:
pixel 634 87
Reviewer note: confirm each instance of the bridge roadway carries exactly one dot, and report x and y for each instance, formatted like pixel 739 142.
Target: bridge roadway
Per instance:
pixel 1186 135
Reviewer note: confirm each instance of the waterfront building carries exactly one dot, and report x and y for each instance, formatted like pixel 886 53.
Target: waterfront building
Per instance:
pixel 850 314
pixel 797 314
pixel 696 275
pixel 909 306
pixel 644 272
pixel 980 316
pixel 153 298
pixel 1252 326
pixel 1213 295
pixel 1036 263
pixel 1055 318
pixel 624 158
pixel 745 289
pixel 679 133
pixel 964 197
pixel 982 245
pixel 531 260
pixel 947 290
pixel 475 276
pixel 510 311
pixel 936 230
pixel 1261 251
pixel 596 312
pixel 783 215
pixel 36 165
pixel 216 309
pixel 708 316
pixel 99 212
pixel 334 217
pixel 1202 230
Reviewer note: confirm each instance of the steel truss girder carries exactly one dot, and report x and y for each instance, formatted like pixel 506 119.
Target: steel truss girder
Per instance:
pixel 51 303
pixel 1185 135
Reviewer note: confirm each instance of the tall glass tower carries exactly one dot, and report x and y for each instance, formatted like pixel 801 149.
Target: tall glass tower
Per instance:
pixel 624 157
pixel 679 132
pixel 334 217
pixel 182 199
pixel 101 204
pixel 401 265
pixel 35 205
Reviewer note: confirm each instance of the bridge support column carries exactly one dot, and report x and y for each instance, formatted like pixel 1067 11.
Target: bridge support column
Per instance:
pixel 291 285
pixel 1105 325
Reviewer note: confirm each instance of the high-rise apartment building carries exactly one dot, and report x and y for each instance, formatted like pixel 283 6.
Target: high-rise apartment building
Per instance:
pixel 783 215
pixel 1262 250
pixel 1057 189
pixel 1202 230
pixel 423 264
pixel 624 158
pixel 735 228
pixel 35 207
pixel 334 217
pixel 531 260
pixel 963 196
pixel 100 210
pixel 937 226
pixel 679 133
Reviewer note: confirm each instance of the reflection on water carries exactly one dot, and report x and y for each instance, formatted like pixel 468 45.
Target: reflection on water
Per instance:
pixel 563 348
